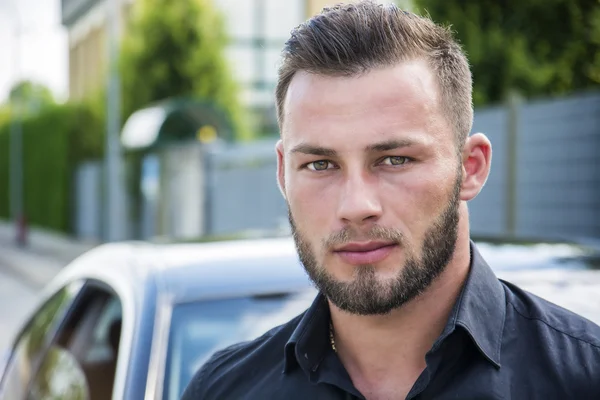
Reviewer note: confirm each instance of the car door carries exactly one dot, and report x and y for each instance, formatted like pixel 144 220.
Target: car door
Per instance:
pixel 32 343
pixel 80 363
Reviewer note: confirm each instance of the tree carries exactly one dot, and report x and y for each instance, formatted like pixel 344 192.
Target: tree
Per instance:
pixel 30 95
pixel 176 49
pixel 537 47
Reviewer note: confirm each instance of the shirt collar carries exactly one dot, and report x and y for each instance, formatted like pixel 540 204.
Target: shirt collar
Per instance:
pixel 480 310
pixel 309 342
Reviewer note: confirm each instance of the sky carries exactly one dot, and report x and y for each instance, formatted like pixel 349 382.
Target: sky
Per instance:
pixel 43 46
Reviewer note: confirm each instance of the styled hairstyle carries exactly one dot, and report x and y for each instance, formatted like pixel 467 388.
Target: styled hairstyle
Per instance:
pixel 352 39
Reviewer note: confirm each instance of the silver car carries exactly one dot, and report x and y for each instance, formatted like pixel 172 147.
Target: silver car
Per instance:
pixel 135 320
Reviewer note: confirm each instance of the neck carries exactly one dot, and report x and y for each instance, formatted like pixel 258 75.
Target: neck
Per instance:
pixel 395 344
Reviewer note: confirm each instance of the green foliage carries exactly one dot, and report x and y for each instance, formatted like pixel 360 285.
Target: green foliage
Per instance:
pixel 5 113
pixel 176 49
pixel 55 141
pixel 537 47
pixel 30 96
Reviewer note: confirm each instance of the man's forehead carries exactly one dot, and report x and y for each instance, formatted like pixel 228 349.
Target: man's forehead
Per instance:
pixel 413 74
pixel 398 98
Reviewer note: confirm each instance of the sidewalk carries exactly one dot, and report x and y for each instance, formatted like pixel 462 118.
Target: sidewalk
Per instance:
pixel 46 253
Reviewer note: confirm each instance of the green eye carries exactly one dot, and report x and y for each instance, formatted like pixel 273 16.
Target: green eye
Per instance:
pixel 396 160
pixel 318 165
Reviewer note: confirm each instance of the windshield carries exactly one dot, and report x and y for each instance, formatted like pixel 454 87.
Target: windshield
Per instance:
pixel 199 329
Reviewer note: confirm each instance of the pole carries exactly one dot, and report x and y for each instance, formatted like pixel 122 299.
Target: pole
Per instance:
pixel 260 42
pixel 511 163
pixel 16 143
pixel 114 207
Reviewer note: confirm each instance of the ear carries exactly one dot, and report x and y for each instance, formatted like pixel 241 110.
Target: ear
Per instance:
pixel 476 159
pixel 280 167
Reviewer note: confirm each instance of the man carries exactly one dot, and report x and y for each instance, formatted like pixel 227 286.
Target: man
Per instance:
pixel 376 164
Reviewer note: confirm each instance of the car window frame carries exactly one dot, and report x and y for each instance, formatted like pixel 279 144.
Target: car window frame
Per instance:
pixel 75 287
pixel 88 284
pixel 159 347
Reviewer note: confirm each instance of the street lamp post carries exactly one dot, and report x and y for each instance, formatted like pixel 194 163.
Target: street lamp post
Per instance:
pixel 16 138
pixel 114 204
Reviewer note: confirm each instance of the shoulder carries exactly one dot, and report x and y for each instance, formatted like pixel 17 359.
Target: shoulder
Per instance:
pixel 237 366
pixel 534 310
pixel 553 335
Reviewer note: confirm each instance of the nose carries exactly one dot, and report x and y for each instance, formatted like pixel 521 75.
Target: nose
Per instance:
pixel 359 200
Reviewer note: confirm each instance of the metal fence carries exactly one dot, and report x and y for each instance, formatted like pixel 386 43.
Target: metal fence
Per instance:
pixel 88 201
pixel 242 192
pixel 545 178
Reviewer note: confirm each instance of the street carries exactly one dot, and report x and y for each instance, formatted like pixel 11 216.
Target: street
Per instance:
pixel 16 300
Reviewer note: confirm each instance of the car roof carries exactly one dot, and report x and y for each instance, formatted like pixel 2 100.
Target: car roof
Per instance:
pixel 227 269
pixel 191 271
pixel 187 272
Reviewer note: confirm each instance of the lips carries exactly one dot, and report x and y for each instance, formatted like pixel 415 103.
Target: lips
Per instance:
pixel 365 253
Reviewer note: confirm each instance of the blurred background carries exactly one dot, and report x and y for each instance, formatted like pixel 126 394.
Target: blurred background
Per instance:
pixel 155 120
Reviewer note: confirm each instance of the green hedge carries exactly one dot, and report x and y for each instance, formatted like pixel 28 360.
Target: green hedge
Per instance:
pixel 55 141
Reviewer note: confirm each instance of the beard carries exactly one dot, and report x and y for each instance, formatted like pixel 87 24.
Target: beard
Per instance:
pixel 367 295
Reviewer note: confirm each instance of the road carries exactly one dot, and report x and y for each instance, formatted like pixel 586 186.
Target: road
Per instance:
pixel 16 300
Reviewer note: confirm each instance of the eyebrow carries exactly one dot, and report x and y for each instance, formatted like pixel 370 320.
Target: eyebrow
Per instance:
pixel 390 145
pixel 387 145
pixel 305 148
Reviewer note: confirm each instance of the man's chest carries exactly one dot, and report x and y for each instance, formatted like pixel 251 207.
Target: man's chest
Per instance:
pixel 458 384
pixel 298 386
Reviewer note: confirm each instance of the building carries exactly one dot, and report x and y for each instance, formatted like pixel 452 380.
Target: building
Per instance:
pixel 257 28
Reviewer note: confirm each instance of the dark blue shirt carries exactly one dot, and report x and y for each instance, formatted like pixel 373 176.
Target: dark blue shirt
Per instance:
pixel 500 342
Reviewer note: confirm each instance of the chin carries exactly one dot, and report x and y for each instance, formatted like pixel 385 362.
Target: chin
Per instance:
pixel 388 275
pixel 384 271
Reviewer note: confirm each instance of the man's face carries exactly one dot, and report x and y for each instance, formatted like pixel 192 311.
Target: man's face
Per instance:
pixel 370 171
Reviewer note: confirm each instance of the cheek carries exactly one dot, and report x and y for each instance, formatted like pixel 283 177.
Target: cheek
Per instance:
pixel 416 198
pixel 311 201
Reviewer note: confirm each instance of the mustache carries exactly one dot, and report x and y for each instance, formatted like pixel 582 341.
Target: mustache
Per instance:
pixel 376 232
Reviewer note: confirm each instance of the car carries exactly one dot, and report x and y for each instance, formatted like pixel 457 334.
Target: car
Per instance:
pixel 136 320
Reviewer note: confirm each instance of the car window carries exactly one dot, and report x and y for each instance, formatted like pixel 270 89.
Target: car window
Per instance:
pixel 33 342
pixel 60 377
pixel 198 329
pixel 82 362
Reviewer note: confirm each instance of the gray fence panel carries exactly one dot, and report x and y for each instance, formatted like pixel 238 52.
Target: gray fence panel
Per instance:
pixel 488 210
pixel 244 193
pixel 558 184
pixel 88 201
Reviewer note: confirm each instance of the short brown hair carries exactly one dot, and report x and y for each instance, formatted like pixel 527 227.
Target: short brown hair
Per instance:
pixel 350 39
